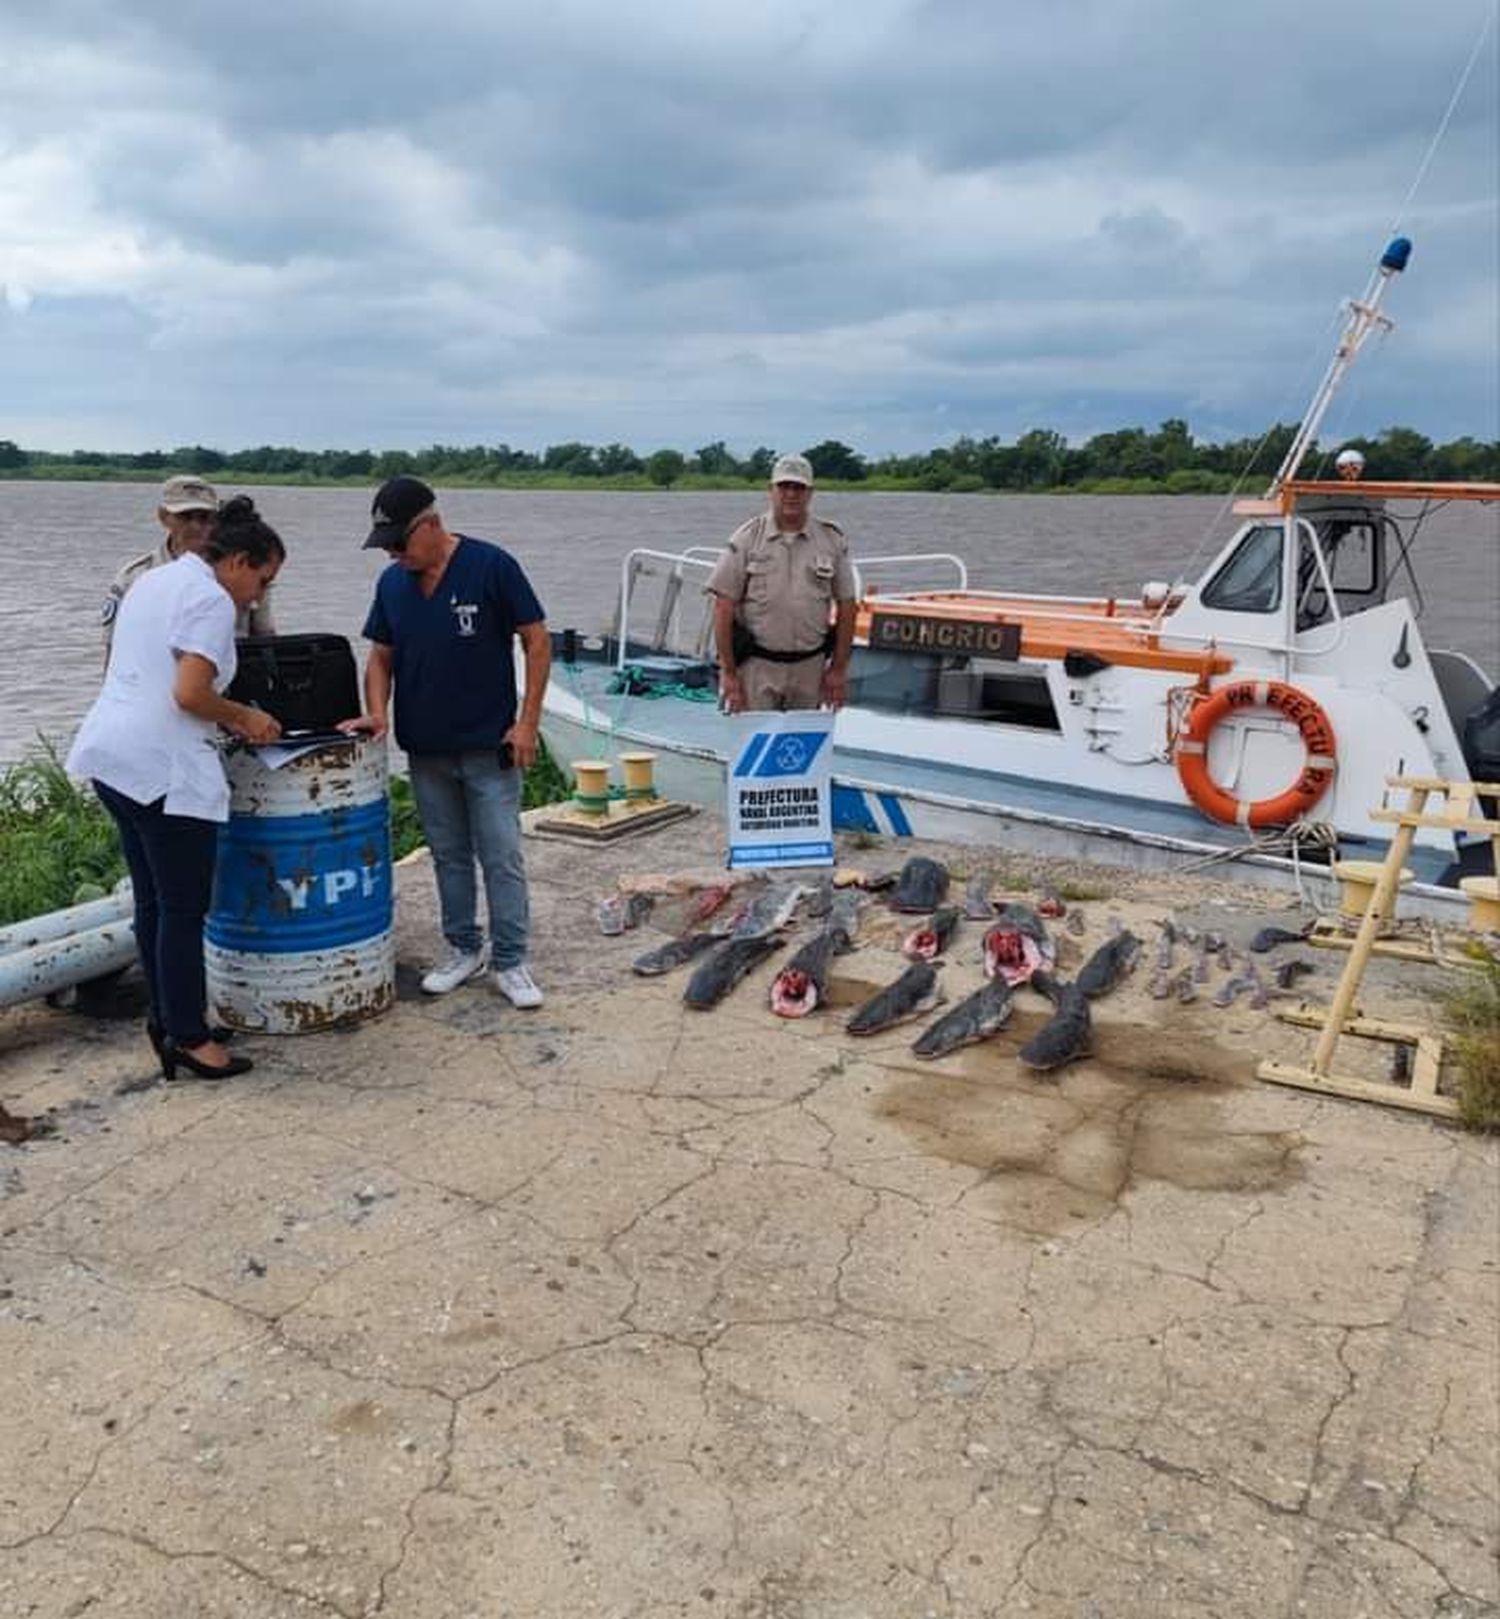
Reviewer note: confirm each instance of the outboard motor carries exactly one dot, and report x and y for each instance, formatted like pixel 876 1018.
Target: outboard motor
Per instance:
pixel 1481 740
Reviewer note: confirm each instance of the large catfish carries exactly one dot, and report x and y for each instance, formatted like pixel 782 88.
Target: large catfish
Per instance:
pixel 923 885
pixel 1067 1033
pixel 1017 945
pixel 984 1013
pixel 802 985
pixel 718 973
pixel 913 993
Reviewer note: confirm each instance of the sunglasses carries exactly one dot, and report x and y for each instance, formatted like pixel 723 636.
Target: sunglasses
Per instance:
pixel 396 547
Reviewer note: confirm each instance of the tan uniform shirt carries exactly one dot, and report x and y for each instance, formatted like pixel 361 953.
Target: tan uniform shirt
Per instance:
pixel 255 620
pixel 784 585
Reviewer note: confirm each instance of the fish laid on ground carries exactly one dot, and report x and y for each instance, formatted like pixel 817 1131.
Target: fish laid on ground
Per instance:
pixel 1200 964
pixel 1017 945
pixel 1260 991
pixel 1051 903
pixel 674 953
pixel 769 912
pixel 880 881
pixel 1066 1035
pixel 1230 988
pixel 802 985
pixel 984 1013
pixel 1269 937
pixel 618 913
pixel 978 906
pixel 929 941
pixel 1186 987
pixel 1289 972
pixel 714 977
pixel 923 885
pixel 1164 953
pixel 1109 964
pixel 817 901
pixel 1226 957
pixel 843 918
pixel 708 900
pixel 913 993
pixel 1075 922
pixel 1161 984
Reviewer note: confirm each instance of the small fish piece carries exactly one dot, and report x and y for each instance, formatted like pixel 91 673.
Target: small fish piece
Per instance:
pixel 1066 1035
pixel 1260 993
pixel 913 993
pixel 1017 944
pixel 1186 988
pixel 928 942
pixel 1289 972
pixel 818 900
pixel 802 984
pixel 1161 984
pixel 881 882
pixel 1075 922
pixel 1200 965
pixel 1226 956
pixel 978 906
pixel 708 900
pixel 1231 987
pixel 923 885
pixel 843 918
pixel 1069 951
pixel 1108 965
pixel 1214 942
pixel 1051 903
pixel 984 1013
pixel 1269 937
pixel 714 977
pixel 768 912
pixel 610 915
pixel 1188 935
pixel 1164 952
pixel 674 953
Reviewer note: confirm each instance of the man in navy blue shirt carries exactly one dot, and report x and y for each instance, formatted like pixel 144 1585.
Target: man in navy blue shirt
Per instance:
pixel 441 630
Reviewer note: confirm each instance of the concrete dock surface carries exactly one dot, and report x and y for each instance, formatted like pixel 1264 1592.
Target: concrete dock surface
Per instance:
pixel 615 1308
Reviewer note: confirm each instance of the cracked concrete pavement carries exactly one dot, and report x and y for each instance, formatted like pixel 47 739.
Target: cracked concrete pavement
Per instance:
pixel 618 1309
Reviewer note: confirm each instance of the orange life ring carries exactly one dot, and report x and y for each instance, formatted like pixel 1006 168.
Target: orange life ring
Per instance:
pixel 1299 798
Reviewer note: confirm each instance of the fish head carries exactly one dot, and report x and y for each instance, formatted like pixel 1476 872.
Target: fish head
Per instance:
pixel 1013 954
pixel 793 993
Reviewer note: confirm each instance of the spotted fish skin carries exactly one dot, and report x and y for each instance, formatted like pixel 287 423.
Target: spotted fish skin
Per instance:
pixel 802 984
pixel 1110 963
pixel 923 885
pixel 984 1013
pixel 929 942
pixel 1067 1034
pixel 674 953
pixel 913 993
pixel 714 977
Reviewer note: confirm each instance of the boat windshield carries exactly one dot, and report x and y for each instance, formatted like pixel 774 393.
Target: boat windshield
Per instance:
pixel 1250 580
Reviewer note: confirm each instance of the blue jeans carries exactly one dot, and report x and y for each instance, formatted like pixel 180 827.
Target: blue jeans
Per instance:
pixel 171 860
pixel 471 808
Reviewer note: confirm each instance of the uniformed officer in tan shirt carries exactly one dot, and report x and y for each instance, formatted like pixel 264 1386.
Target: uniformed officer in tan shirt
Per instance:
pixel 784 603
pixel 186 510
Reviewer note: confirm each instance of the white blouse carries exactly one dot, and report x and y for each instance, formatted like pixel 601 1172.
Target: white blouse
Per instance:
pixel 135 738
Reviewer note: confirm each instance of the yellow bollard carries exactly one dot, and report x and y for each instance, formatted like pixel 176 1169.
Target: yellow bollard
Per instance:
pixel 1357 880
pixel 639 785
pixel 1484 903
pixel 591 786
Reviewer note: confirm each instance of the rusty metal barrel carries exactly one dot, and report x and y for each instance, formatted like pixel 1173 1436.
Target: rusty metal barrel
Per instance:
pixel 298 935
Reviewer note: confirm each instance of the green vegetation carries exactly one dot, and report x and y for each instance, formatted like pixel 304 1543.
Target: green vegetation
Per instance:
pixel 1473 1015
pixel 58 845
pixel 1130 460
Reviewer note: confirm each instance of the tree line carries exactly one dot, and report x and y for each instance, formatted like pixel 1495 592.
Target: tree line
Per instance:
pixel 1168 458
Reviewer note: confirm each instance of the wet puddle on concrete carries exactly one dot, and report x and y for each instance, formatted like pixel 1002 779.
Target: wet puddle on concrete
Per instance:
pixel 1060 1149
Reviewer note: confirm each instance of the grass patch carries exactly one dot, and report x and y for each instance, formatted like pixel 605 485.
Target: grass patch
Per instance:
pixel 57 844
pixel 1079 893
pixel 1472 1011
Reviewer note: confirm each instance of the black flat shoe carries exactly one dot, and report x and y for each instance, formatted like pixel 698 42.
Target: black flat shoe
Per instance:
pixel 172 1059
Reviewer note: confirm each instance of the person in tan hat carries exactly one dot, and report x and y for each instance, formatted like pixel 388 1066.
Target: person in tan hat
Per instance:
pixel 186 509
pixel 784 602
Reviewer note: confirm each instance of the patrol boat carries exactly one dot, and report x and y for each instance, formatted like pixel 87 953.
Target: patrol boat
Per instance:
pixel 1254 713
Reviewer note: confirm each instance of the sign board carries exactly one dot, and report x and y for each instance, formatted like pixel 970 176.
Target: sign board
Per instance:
pixel 924 632
pixel 780 791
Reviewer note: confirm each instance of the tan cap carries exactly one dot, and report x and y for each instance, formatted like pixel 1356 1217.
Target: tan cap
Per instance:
pixel 792 469
pixel 188 494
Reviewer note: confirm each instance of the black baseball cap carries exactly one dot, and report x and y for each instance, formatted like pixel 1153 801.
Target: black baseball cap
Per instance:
pixel 397 503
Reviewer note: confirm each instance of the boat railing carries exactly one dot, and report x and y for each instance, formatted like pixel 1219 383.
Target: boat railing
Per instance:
pixel 666 634
pixel 942 560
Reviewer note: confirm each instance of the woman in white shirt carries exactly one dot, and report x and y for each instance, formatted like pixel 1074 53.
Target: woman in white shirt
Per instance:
pixel 149 745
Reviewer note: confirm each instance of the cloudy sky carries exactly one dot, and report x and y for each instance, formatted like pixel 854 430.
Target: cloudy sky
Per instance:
pixel 351 223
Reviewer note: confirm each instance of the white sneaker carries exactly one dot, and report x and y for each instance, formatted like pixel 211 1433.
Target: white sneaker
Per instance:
pixel 517 986
pixel 458 969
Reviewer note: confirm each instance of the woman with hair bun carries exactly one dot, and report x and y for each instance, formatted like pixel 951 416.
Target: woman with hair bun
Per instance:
pixel 149 745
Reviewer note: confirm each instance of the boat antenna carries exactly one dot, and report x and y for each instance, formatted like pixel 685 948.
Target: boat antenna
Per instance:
pixel 1364 317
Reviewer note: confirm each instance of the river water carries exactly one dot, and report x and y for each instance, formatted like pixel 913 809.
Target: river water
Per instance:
pixel 62 543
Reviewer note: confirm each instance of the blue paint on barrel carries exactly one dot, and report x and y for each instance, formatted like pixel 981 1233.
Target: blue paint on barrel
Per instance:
pixel 298 935
pixel 288 883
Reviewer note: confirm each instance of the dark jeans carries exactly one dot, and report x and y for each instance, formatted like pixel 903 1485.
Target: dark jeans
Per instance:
pixel 171 860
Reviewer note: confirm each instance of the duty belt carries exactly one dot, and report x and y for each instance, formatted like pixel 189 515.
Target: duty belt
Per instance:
pixel 746 646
